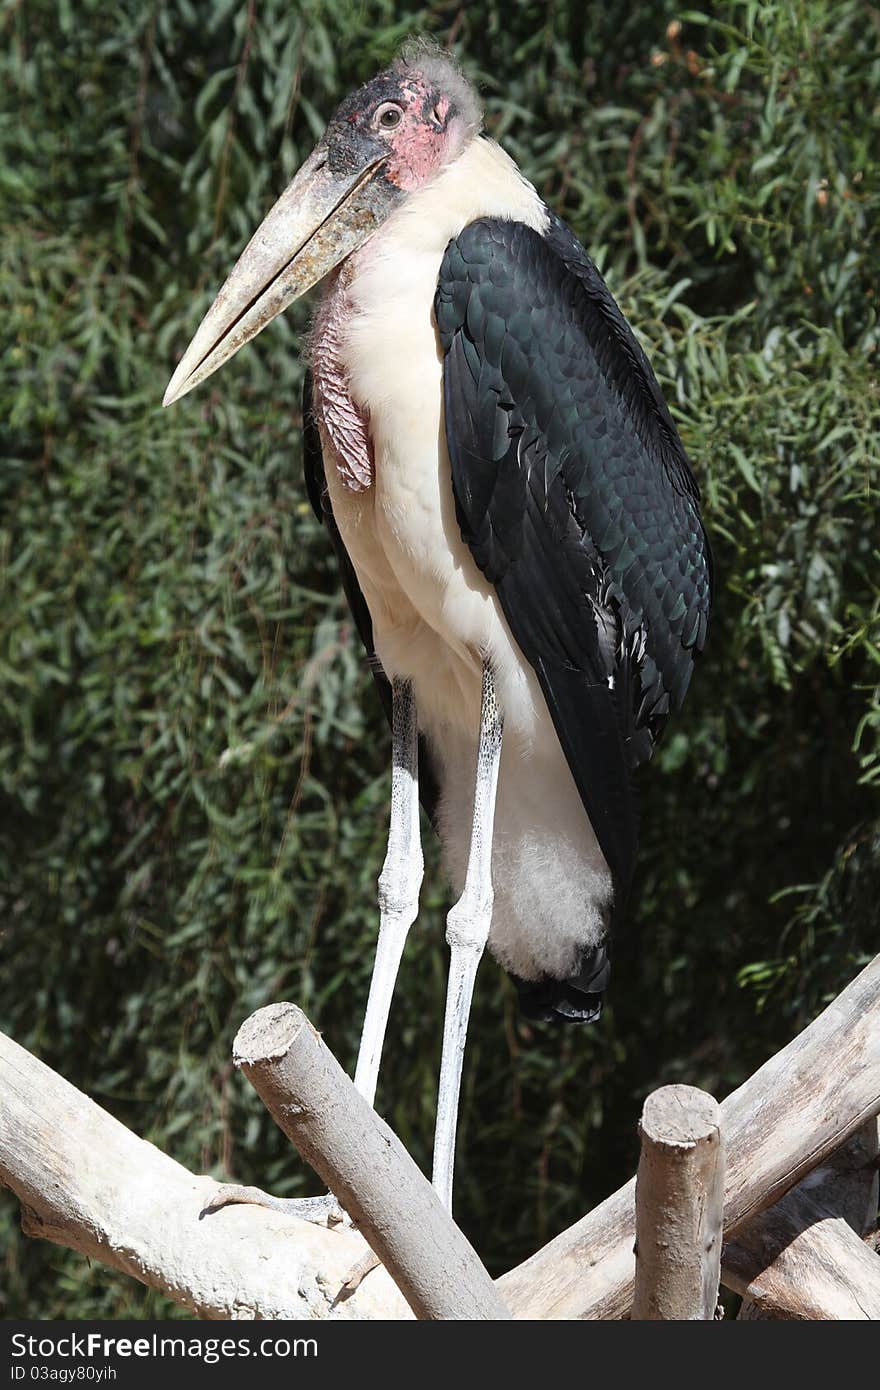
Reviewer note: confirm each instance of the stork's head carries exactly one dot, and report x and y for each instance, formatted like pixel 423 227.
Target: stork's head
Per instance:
pixel 386 140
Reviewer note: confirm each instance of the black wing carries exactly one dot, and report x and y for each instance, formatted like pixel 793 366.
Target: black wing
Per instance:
pixel 316 487
pixel 574 493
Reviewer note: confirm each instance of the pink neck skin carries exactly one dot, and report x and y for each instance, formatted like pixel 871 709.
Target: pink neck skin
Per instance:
pixel 344 423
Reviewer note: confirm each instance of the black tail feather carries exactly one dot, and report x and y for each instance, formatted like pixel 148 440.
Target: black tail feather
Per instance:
pixel 575 1000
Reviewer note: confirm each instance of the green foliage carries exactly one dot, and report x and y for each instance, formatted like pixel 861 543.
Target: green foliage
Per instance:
pixel 193 767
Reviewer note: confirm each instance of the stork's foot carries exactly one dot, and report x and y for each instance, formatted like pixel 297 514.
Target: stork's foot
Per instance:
pixel 356 1275
pixel 321 1211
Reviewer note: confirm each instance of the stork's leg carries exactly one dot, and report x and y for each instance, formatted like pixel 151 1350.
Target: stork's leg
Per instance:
pixel 467 930
pixel 399 884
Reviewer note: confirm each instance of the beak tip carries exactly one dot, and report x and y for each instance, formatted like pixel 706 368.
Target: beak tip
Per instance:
pixel 174 390
pixel 290 251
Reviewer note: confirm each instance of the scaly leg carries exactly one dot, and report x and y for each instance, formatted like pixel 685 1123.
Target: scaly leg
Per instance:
pixel 467 930
pixel 399 885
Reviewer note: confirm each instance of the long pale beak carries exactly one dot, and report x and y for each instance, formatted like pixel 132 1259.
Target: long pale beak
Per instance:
pixel 319 219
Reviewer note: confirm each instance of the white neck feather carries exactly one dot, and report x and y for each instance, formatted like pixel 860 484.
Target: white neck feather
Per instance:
pixel 482 182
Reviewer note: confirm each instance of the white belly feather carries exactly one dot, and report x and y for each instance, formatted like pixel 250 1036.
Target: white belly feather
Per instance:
pixel 434 615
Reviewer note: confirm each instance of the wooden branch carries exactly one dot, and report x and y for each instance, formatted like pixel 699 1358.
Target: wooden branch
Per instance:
pixel 87 1182
pixel 365 1165
pixel 803 1258
pixel 796 1261
pixel 784 1121
pixel 679 1195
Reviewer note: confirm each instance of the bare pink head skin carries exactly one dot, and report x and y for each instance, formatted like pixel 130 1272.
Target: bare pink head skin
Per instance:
pixel 384 141
pixel 417 115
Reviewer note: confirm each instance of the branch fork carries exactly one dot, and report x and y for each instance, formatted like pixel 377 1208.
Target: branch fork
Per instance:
pixel 785 1168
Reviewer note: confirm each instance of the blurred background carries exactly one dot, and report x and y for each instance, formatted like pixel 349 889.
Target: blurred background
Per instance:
pixel 193 765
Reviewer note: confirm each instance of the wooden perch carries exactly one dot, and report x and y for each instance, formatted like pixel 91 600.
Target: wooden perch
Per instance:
pixel 679 1194
pixel 789 1117
pixel 803 1263
pixel 365 1165
pixel 804 1258
pixel 87 1182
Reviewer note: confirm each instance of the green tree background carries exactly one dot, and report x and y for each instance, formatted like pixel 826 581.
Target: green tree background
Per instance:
pixel 193 767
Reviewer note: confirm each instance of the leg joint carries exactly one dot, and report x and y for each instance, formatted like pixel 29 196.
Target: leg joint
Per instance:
pixel 399 886
pixel 468 923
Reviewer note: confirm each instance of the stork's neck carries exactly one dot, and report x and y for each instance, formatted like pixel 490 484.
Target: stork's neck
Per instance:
pixel 381 301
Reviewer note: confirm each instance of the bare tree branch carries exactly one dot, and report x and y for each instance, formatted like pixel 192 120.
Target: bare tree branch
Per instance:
pixel 679 1195
pixel 87 1182
pixel 803 1257
pixel 789 1117
pixel 365 1165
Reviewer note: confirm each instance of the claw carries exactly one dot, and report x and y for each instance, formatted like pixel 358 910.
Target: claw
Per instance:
pixel 356 1276
pixel 318 1210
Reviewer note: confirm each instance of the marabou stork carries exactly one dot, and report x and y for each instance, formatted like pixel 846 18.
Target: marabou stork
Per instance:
pixel 516 524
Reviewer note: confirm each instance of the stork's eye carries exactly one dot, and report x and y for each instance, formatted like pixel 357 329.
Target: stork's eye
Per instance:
pixel 389 115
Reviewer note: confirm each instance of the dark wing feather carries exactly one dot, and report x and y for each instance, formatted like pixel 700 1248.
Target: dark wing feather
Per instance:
pixel 316 488
pixel 574 493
